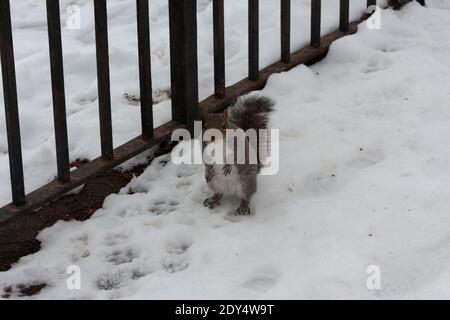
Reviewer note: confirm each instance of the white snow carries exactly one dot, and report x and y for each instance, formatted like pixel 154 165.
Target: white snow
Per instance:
pixel 363 181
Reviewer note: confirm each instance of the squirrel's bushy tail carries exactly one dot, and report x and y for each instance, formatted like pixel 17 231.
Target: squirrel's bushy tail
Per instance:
pixel 251 112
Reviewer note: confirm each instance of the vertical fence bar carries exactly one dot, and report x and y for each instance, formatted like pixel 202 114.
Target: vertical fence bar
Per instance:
pixel 219 48
pixel 422 2
pixel 344 16
pixel 315 22
pixel 59 99
pixel 103 81
pixel 285 31
pixel 253 39
pixel 184 61
pixel 371 3
pixel 11 105
pixel 145 72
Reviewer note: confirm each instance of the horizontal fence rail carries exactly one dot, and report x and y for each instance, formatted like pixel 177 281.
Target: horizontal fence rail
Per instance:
pixel 186 107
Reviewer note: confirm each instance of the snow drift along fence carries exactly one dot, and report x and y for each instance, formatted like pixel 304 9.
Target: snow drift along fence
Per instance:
pixel 184 84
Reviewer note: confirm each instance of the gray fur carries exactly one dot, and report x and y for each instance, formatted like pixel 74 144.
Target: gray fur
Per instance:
pixel 250 112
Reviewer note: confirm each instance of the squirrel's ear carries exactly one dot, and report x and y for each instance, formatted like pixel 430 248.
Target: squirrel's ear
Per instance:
pixel 225 115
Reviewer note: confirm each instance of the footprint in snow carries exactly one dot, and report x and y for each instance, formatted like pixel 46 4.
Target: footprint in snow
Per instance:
pixel 177 259
pixel 163 207
pixel 119 257
pixel 263 279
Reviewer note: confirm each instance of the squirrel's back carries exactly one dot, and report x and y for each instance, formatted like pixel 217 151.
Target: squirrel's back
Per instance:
pixel 251 112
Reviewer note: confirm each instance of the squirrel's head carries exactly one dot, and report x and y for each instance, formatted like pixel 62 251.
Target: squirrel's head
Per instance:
pixel 217 121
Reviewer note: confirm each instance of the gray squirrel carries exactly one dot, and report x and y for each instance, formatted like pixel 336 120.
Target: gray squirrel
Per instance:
pixel 239 179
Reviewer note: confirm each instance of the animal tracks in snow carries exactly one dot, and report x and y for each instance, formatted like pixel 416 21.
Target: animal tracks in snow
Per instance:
pixel 163 207
pixel 119 257
pixel 176 259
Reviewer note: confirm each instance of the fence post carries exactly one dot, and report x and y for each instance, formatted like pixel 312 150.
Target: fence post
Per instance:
pixel 219 48
pixel 285 30
pixel 145 71
pixel 11 105
pixel 253 39
pixel 316 11
pixel 103 80
pixel 59 99
pixel 183 61
pixel 344 16
pixel 371 3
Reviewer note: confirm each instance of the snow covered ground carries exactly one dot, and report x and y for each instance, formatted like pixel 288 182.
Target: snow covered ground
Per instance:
pixel 33 71
pixel 364 181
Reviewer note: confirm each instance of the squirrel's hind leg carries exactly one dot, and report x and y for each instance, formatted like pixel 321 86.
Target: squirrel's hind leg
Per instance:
pixel 248 175
pixel 244 208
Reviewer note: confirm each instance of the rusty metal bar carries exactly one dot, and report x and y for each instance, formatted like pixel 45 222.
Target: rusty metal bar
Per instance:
pixel 371 3
pixel 344 15
pixel 315 23
pixel 103 80
pixel 11 105
pixel 183 59
pixel 145 72
pixel 219 48
pixel 285 30
pixel 253 39
pixel 58 91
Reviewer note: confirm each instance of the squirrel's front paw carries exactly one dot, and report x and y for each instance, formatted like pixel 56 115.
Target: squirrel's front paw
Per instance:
pixel 211 203
pixel 227 169
pixel 242 211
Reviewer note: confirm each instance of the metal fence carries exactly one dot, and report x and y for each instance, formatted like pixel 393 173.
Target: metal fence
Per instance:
pixel 184 84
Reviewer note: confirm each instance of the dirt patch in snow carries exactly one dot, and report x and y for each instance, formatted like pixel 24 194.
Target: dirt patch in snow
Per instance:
pixel 22 290
pixel 18 234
